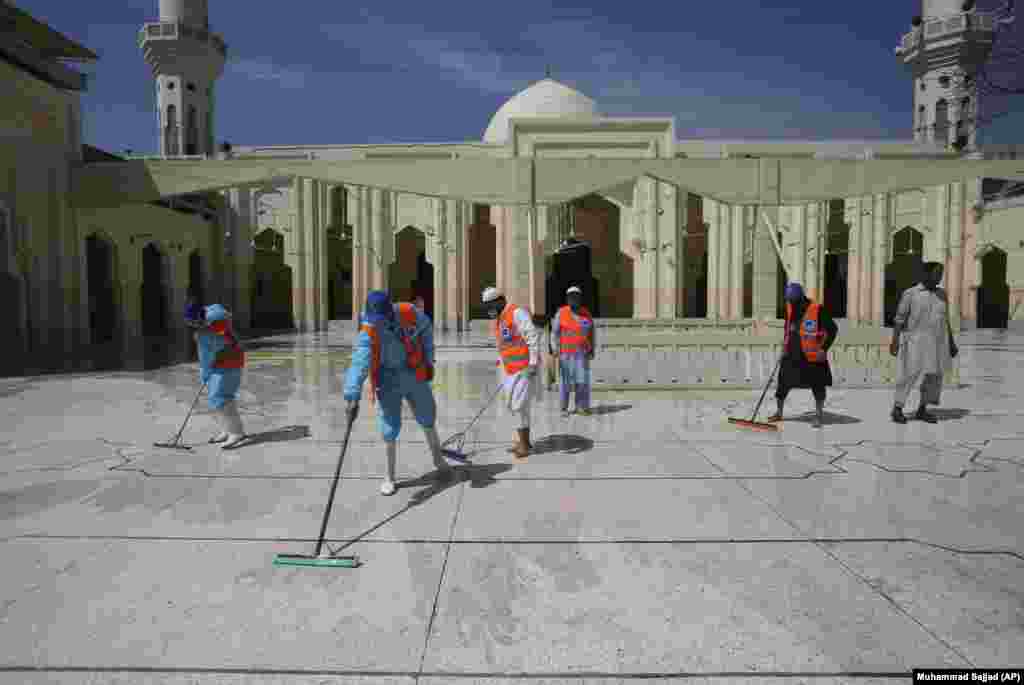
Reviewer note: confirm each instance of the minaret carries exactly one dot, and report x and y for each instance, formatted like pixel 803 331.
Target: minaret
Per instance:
pixel 187 59
pixel 945 48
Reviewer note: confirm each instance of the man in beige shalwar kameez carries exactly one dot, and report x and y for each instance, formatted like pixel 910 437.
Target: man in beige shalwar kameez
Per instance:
pixel 923 342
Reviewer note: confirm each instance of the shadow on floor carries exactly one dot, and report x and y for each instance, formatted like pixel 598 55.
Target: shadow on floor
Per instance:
pixel 477 476
pixel 603 409
pixel 828 418
pixel 285 434
pixel 949 414
pixel 570 444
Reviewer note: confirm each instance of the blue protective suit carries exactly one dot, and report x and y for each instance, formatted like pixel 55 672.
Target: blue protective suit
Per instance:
pixel 221 384
pixel 397 380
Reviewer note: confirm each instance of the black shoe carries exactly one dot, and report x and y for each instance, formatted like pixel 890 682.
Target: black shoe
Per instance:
pixel 898 416
pixel 922 415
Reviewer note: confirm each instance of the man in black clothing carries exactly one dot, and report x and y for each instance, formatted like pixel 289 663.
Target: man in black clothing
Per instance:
pixel 809 334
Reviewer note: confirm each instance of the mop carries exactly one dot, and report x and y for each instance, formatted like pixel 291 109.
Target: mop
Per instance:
pixel 176 443
pixel 752 422
pixel 454 447
pixel 320 557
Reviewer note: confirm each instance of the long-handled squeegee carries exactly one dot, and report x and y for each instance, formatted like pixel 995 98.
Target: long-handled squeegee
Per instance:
pixel 319 556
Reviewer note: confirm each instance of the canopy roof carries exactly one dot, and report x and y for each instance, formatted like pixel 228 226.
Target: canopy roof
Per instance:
pixel 523 181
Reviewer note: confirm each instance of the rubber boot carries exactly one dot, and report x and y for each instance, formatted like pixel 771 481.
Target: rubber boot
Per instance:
pixel 521 449
pixel 434 442
pixel 222 423
pixel 388 487
pixel 236 432
pixel 526 438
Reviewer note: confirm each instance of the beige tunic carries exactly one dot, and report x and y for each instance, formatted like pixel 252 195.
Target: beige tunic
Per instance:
pixel 924 343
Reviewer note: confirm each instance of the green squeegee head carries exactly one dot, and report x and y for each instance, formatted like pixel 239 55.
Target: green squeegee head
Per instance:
pixel 323 561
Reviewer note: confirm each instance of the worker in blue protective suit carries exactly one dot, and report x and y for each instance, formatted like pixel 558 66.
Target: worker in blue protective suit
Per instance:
pixel 395 349
pixel 221 361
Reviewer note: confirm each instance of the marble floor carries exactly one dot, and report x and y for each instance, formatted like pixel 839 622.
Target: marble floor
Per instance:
pixel 649 541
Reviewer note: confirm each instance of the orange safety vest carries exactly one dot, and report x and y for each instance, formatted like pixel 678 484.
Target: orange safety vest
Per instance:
pixel 515 353
pixel 812 335
pixel 232 356
pixel 571 331
pixel 414 353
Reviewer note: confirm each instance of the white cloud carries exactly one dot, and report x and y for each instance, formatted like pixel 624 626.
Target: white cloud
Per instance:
pixel 262 70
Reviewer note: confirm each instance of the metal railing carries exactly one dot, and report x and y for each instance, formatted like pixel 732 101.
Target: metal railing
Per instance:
pixel 171 30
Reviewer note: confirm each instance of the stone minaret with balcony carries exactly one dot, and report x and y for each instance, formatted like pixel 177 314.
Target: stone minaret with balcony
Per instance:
pixel 186 59
pixel 944 50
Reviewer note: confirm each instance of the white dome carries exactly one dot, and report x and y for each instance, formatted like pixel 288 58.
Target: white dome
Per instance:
pixel 547 98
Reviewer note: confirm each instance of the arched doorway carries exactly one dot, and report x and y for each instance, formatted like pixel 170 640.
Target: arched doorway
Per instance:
pixel 272 283
pixel 994 293
pixel 154 292
pixel 596 222
pixel 695 251
pixel 411 275
pixel 837 259
pixel 339 286
pixel 196 277
pixel 904 270
pixel 100 265
pixel 483 251
pixel 11 341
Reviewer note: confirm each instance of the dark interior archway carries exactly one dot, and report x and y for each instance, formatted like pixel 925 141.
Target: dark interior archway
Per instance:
pixel 596 222
pixel 154 292
pixel 196 277
pixel 483 256
pixel 339 286
pixel 411 275
pixel 837 250
pixel 904 271
pixel 11 341
pixel 695 247
pixel 272 283
pixel 100 264
pixel 994 293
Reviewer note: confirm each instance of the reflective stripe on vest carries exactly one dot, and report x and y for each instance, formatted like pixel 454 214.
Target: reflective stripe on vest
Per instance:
pixel 570 331
pixel 515 353
pixel 232 356
pixel 414 353
pixel 812 336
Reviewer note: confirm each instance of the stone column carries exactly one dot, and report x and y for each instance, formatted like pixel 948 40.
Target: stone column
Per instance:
pixel 724 221
pixel 854 280
pixel 177 281
pixel 881 258
pixel 714 248
pixel 538 286
pixel 868 260
pixel 647 211
pixel 295 253
pixel 971 273
pixel 739 227
pixel 242 249
pixel 765 282
pixel 381 239
pixel 954 261
pixel 812 242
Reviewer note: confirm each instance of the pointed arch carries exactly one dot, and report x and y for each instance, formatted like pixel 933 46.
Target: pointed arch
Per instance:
pixel 171 131
pixel 942 122
pixel 272 282
pixel 411 275
pixel 101 285
pixel 904 268
pixel 993 308
pixel 154 287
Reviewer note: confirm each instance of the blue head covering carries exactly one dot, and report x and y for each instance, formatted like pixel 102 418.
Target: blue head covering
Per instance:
pixel 216 312
pixel 379 307
pixel 794 292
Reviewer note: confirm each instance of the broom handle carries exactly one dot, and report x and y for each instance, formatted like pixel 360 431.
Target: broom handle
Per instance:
pixel 765 391
pixel 334 488
pixel 189 414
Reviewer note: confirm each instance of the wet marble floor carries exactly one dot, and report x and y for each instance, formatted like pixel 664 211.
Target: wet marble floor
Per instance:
pixel 651 540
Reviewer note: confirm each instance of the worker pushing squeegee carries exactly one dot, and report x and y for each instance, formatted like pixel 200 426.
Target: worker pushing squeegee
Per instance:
pixel 395 348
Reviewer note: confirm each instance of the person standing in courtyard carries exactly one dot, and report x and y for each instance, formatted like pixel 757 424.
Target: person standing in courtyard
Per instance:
pixel 809 333
pixel 395 349
pixel 922 341
pixel 221 360
pixel 572 330
pixel 518 343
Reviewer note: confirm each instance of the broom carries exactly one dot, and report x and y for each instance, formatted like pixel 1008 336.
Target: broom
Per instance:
pixel 176 442
pixel 752 423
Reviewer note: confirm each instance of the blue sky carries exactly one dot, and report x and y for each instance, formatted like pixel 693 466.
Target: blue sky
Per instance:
pixel 316 72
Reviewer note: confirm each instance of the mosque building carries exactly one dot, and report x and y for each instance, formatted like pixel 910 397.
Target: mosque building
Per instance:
pixel 298 252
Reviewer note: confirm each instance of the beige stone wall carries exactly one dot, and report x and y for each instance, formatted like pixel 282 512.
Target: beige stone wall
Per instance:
pixel 39 139
pixel 176 235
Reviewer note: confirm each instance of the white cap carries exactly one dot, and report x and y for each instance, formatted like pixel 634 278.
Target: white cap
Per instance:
pixel 490 295
pixel 573 289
